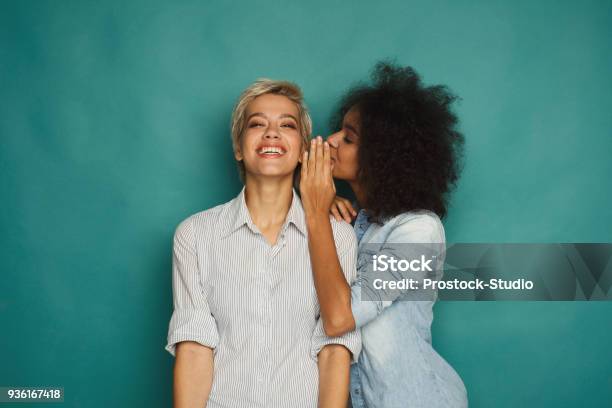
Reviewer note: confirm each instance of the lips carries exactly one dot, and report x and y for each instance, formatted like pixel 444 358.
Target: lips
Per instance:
pixel 270 151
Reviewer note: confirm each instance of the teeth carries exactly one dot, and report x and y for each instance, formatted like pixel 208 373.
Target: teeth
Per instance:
pixel 265 150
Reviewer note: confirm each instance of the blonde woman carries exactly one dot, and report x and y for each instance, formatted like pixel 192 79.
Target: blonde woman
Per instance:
pixel 245 329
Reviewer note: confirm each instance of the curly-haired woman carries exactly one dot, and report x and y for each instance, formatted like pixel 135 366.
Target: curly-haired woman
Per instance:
pixel 398 148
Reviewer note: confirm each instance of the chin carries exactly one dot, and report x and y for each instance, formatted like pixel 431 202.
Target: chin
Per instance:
pixel 337 175
pixel 274 173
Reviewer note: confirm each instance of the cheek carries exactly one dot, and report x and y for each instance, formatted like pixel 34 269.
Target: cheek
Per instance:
pixel 348 155
pixel 247 138
pixel 354 158
pixel 297 144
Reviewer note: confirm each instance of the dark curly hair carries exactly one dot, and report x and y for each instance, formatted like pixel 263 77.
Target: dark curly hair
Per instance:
pixel 410 150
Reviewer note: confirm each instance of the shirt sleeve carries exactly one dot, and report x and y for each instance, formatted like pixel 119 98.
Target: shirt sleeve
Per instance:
pixel 408 240
pixel 346 245
pixel 191 318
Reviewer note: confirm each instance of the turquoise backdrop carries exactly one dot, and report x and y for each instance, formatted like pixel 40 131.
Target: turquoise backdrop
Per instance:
pixel 114 126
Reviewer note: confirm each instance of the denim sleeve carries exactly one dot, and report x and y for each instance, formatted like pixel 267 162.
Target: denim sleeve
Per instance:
pixel 191 319
pixel 425 230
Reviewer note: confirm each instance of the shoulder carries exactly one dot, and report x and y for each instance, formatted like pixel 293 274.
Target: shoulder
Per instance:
pixel 423 225
pixel 344 234
pixel 346 246
pixel 203 221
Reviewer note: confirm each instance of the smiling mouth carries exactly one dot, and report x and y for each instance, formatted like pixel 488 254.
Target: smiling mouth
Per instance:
pixel 271 151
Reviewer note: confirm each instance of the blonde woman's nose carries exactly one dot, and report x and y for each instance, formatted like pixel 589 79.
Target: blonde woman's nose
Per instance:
pixel 271 133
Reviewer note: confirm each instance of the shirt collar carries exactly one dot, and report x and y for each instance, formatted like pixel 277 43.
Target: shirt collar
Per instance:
pixel 239 215
pixel 361 224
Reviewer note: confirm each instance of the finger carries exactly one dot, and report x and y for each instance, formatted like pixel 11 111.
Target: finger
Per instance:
pixel 319 159
pixel 312 157
pixel 304 171
pixel 349 206
pixel 335 213
pixel 326 161
pixel 343 210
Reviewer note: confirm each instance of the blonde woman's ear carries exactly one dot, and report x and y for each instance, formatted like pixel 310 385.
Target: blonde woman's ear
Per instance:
pixel 238 155
pixel 302 154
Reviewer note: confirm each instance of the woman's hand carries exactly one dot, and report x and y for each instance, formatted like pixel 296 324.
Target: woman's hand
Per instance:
pixel 317 187
pixel 318 192
pixel 342 209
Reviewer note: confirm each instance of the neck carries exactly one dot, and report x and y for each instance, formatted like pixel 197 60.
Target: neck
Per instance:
pixel 268 200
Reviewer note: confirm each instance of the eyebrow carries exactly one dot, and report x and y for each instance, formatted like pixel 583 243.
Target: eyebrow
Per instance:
pixel 284 115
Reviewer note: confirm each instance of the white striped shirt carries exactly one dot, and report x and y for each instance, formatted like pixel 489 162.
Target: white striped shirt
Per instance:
pixel 254 304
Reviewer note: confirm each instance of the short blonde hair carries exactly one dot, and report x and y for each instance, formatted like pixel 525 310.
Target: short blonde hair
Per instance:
pixel 265 86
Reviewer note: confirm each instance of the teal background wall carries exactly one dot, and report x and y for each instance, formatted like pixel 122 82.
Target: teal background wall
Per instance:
pixel 114 128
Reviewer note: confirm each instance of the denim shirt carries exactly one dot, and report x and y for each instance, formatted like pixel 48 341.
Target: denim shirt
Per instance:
pixel 398 366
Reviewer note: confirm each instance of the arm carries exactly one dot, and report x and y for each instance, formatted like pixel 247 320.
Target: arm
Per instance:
pixel 334 362
pixel 193 373
pixel 318 192
pixel 333 290
pixel 342 308
pixel 192 333
pixel 408 239
pixel 334 356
